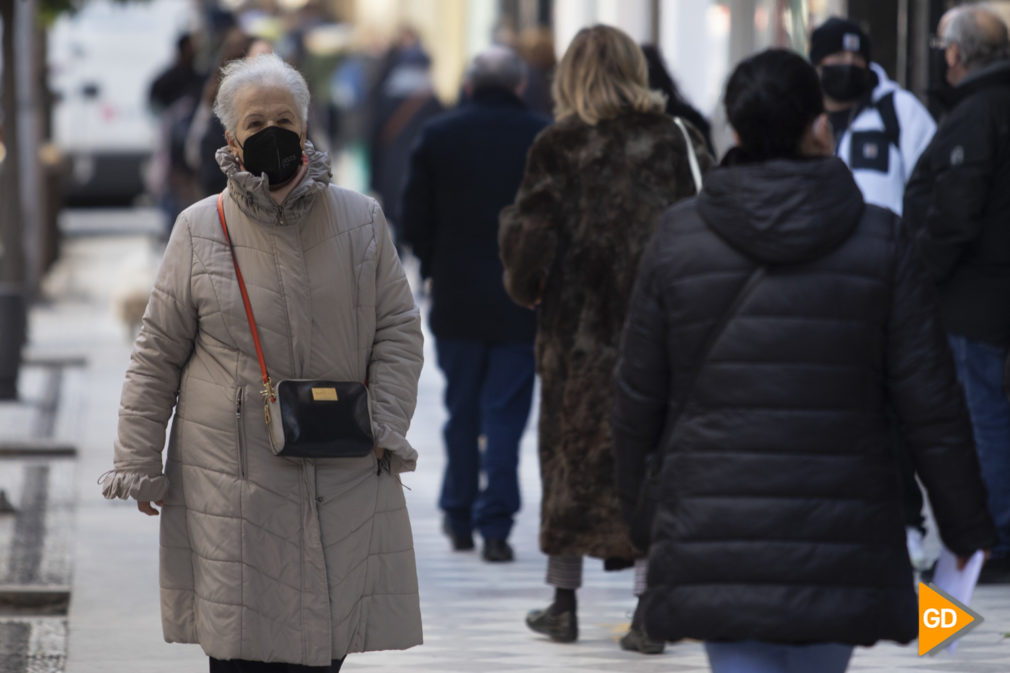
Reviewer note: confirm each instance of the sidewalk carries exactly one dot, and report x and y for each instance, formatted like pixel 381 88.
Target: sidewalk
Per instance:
pixel 473 611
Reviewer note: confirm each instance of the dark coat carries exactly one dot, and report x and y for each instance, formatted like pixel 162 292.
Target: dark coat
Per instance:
pixel 779 512
pixel 586 209
pixel 403 105
pixel 957 201
pixel 466 167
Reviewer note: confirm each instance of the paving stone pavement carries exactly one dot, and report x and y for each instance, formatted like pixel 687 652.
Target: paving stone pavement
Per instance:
pixel 473 611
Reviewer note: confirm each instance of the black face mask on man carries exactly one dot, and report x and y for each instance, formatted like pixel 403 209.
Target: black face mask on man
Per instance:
pixel 846 82
pixel 275 152
pixel 940 91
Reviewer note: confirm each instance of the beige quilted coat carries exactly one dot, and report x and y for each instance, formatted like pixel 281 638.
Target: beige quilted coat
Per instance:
pixel 267 558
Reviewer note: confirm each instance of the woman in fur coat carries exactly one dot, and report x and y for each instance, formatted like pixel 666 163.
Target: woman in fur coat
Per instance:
pixel 594 186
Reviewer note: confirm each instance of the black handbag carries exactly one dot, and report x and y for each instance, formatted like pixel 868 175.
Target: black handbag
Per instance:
pixel 308 418
pixel 640 522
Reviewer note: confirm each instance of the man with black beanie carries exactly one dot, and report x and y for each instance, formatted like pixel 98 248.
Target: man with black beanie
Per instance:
pixel 880 129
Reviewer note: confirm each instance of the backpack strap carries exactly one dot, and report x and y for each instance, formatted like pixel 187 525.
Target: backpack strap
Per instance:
pixel 888 114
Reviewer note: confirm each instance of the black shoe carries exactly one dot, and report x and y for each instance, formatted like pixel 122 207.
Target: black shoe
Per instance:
pixel 995 571
pixel 636 640
pixel 497 550
pixel 459 542
pixel 561 628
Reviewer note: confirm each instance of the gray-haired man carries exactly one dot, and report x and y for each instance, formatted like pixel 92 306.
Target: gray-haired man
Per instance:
pixel 466 167
pixel 956 205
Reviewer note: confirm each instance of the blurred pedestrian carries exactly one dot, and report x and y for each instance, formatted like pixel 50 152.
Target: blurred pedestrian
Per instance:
pixel 879 128
pixel 774 320
pixel 466 167
pixel 173 96
pixel 595 183
pixel 879 132
pixel 179 79
pixel 536 47
pixel 404 102
pixel 676 105
pixel 273 563
pixel 956 204
pixel 205 133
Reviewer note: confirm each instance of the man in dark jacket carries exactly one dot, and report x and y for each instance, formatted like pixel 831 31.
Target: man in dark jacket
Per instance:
pixel 179 79
pixel 957 206
pixel 466 167
pixel 778 516
pixel 404 102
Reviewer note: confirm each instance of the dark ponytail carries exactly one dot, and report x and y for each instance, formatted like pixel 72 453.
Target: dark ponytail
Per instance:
pixel 771 99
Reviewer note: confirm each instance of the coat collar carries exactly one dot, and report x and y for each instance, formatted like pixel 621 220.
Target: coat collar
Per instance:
pixel 252 195
pixel 496 96
pixel 994 74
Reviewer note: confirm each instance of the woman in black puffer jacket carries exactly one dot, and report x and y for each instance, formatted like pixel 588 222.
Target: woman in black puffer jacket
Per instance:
pixel 778 530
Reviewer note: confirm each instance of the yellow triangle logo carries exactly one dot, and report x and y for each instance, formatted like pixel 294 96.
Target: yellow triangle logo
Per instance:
pixel 942 619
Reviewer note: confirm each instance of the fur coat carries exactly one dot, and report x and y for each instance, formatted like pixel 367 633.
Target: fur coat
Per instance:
pixel 586 209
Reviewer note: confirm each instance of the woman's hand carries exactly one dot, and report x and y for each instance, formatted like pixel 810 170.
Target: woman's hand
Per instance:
pixel 145 507
pixel 379 452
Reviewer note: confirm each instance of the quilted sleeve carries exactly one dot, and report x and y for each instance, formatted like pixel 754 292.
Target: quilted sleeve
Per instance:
pixel 397 351
pixel 641 382
pixel 923 388
pixel 149 394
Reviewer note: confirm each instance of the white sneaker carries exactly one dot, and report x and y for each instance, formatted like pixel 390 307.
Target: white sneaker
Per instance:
pixel 916 554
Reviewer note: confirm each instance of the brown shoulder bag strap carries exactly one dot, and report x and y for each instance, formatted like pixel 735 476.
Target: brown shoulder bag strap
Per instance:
pixel 268 388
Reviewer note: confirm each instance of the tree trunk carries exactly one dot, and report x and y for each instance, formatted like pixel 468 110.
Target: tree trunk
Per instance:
pixel 12 261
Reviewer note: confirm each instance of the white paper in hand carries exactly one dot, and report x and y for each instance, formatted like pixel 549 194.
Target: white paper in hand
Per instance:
pixel 960 584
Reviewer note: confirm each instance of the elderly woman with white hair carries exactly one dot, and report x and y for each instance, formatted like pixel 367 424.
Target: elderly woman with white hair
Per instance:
pixel 284 335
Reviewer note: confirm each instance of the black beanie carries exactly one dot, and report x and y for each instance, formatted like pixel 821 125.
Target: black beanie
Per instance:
pixel 836 35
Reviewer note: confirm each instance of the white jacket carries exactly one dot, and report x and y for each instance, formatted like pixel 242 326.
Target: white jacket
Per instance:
pixel 881 169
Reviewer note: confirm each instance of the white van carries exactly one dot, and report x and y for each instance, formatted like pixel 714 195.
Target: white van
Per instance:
pixel 102 61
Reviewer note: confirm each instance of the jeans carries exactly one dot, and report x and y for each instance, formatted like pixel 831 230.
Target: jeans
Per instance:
pixel 751 656
pixel 489 389
pixel 980 370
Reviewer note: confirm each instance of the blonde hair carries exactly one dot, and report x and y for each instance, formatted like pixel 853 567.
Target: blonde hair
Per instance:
pixel 603 74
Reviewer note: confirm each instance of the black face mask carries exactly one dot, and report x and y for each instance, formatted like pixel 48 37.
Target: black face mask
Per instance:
pixel 846 82
pixel 275 152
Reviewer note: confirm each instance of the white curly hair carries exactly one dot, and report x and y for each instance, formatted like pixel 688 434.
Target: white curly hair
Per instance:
pixel 263 70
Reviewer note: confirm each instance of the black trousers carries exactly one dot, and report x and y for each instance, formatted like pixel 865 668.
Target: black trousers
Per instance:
pixel 243 666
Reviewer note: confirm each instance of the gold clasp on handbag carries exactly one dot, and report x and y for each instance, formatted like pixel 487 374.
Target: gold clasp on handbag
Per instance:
pixel 324 395
pixel 268 395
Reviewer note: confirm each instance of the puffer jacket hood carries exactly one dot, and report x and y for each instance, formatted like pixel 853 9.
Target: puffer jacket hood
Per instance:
pixel 252 192
pixel 782 211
